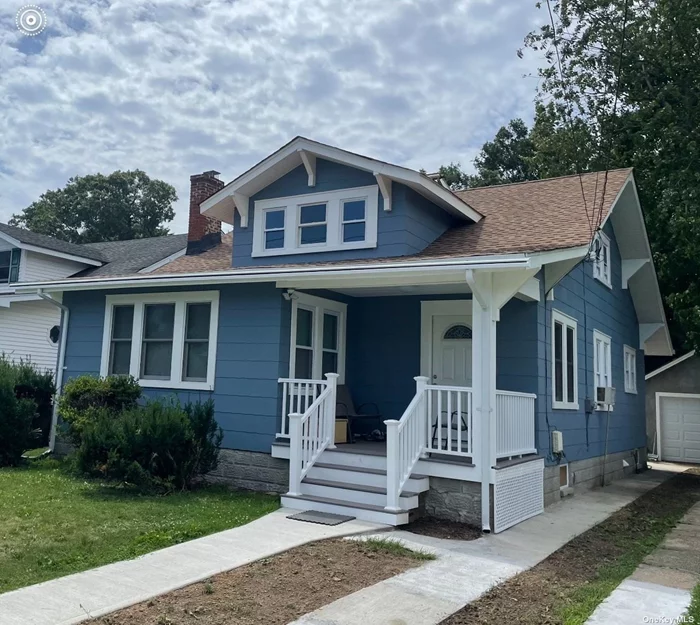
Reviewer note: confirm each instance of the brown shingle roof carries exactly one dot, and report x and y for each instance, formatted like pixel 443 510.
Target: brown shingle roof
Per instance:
pixel 523 217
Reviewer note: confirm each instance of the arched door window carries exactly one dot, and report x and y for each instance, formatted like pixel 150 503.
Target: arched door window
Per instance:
pixel 458 332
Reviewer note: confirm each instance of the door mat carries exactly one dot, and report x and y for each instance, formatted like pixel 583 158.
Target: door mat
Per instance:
pixel 323 518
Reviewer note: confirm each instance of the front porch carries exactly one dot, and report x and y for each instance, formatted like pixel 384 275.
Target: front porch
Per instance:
pixel 372 347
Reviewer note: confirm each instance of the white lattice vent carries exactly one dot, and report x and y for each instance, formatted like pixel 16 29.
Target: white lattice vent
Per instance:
pixel 518 494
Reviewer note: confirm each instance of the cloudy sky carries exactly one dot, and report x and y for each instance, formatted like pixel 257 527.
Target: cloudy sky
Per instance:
pixel 176 87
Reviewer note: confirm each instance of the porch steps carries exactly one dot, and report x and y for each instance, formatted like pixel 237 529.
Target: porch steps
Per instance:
pixel 344 481
pixel 364 512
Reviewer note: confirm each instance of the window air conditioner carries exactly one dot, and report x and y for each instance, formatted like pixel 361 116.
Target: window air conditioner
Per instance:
pixel 605 395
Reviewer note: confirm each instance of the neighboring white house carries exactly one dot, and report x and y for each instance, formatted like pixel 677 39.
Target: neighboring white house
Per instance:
pixel 29 325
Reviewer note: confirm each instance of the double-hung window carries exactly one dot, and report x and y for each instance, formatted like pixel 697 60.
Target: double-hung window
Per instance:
pixel 318 338
pixel 164 340
pixel 9 265
pixel 602 361
pixel 601 259
pixel 564 361
pixel 313 225
pixel 630 356
pixel 274 228
pixel 345 219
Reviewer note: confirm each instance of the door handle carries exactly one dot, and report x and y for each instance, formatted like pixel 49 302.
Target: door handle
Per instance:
pixel 434 376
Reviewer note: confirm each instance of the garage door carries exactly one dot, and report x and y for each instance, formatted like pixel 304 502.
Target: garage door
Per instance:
pixel 680 428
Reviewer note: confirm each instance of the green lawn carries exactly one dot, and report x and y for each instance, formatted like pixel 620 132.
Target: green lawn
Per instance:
pixel 53 524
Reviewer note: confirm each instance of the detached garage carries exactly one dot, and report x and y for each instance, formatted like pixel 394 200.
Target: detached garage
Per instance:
pixel 673 410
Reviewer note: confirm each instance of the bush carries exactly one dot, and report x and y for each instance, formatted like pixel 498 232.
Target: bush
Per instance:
pixel 87 399
pixel 16 417
pixel 38 386
pixel 159 445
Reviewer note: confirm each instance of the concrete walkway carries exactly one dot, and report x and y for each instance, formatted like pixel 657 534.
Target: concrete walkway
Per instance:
pixel 465 570
pixel 660 589
pixel 75 598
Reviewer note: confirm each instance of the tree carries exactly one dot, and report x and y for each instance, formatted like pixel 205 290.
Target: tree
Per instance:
pixel 123 205
pixel 620 87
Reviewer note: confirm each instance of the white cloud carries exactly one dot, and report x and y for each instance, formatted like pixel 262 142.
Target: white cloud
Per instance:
pixel 176 87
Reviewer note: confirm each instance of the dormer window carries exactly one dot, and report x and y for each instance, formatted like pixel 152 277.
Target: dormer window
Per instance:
pixel 318 222
pixel 9 265
pixel 601 259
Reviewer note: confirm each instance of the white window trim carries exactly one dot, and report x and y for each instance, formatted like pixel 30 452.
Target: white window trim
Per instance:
pixel 566 321
pixel 318 305
pixel 598 335
pixel 180 299
pixel 334 220
pixel 599 272
pixel 631 374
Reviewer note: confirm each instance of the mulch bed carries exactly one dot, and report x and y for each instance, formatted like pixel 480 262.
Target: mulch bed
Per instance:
pixel 438 528
pixel 541 595
pixel 273 591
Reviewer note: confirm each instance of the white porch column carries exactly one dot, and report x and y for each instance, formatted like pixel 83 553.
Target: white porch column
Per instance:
pixel 484 318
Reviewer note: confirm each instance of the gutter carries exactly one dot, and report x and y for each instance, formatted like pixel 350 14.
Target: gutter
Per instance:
pixel 272 274
pixel 60 363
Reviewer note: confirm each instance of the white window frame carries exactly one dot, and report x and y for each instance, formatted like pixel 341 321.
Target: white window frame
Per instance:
pixel 318 306
pixel 334 221
pixel 180 299
pixel 265 229
pixel 310 224
pixel 567 322
pixel 344 222
pixel 630 369
pixel 605 340
pixel 601 270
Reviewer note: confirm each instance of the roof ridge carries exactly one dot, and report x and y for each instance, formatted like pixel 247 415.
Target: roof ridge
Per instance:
pixel 523 182
pixel 163 236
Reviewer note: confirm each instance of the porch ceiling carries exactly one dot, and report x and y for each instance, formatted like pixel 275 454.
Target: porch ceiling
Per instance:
pixel 423 289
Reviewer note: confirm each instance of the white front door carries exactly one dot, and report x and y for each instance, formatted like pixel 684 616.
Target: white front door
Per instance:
pixel 451 350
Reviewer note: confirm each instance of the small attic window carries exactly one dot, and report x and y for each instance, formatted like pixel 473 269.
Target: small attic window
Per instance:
pixel 458 332
pixel 601 259
pixel 317 222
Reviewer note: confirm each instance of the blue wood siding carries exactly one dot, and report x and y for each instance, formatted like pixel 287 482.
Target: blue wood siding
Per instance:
pixel 411 225
pixel 252 353
pixel 611 311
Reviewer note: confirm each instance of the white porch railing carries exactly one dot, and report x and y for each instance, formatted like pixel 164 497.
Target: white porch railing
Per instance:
pixel 515 424
pixel 450 418
pixel 405 442
pixel 310 433
pixel 297 396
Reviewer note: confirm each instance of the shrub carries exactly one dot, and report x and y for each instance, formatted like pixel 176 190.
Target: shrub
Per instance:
pixel 15 423
pixel 31 383
pixel 159 445
pixel 87 399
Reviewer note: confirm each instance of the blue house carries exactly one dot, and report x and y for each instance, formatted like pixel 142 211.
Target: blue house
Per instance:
pixel 491 341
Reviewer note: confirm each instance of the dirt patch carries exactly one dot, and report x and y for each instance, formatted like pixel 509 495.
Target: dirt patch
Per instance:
pixel 273 591
pixel 438 528
pixel 569 584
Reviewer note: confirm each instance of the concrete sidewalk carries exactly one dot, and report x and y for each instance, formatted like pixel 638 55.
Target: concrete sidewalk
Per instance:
pixel 661 587
pixel 75 598
pixel 465 570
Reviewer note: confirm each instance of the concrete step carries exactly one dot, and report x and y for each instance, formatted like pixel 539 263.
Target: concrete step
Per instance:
pixel 364 476
pixel 364 512
pixel 355 493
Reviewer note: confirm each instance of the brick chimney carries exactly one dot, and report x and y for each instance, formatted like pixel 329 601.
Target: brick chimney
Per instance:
pixel 203 232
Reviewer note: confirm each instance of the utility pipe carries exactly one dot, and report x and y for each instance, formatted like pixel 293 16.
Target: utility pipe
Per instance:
pixel 60 362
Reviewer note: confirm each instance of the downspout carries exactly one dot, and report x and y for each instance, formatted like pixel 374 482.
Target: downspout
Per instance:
pixel 60 362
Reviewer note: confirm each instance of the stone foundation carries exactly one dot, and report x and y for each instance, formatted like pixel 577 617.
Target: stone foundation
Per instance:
pixel 251 471
pixel 586 474
pixel 454 500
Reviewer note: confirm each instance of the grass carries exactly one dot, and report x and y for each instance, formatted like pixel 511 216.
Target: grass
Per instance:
pixel 53 523
pixel 693 615
pixel 635 547
pixel 395 548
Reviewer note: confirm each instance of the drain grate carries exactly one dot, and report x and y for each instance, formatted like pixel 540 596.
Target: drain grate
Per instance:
pixel 323 518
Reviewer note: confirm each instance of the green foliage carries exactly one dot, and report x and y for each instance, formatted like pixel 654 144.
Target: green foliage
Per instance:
pixel 88 398
pixel 120 206
pixel 159 445
pixel 15 423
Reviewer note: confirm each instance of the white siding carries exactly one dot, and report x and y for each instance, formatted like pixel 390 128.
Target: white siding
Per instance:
pixel 36 267
pixel 24 332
